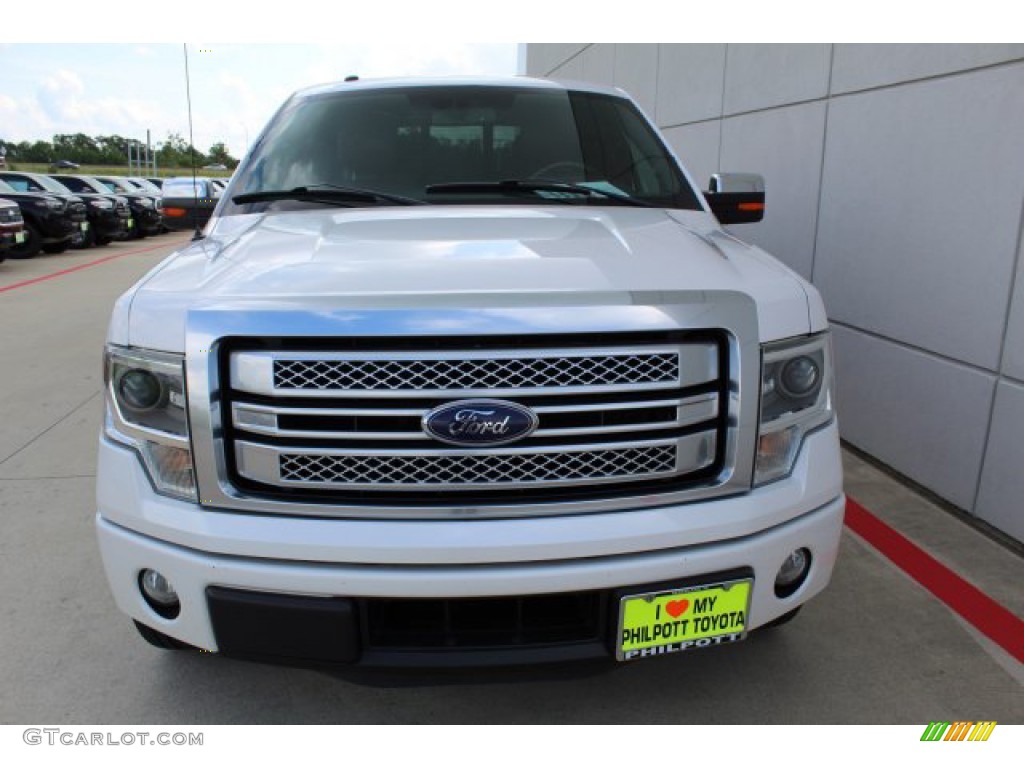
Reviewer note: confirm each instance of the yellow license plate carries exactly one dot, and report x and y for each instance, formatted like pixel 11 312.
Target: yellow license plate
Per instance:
pixel 85 226
pixel 19 237
pixel 676 620
pixel 131 223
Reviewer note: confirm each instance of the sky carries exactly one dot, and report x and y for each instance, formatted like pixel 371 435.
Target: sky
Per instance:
pixel 125 83
pixel 126 88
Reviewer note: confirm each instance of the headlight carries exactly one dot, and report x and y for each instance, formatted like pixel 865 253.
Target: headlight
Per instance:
pixel 145 202
pixel 50 202
pixel 103 205
pixel 146 409
pixel 796 397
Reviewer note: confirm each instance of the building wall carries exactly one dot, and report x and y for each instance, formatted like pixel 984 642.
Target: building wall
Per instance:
pixel 895 182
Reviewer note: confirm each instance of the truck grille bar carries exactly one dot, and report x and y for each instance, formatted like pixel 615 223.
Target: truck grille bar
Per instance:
pixel 347 424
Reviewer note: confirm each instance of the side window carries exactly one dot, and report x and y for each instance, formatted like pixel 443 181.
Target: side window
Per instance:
pixel 19 185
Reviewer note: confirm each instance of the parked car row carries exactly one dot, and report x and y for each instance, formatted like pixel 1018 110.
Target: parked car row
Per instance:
pixel 56 211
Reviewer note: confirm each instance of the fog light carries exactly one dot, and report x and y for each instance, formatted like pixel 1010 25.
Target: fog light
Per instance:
pixel 159 593
pixel 792 573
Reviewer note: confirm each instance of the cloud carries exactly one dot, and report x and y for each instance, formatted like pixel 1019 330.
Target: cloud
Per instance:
pixel 64 101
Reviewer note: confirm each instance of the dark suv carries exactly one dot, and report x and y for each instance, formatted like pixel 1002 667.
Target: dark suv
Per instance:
pixel 12 226
pixel 143 208
pixel 50 221
pixel 108 215
pixel 122 186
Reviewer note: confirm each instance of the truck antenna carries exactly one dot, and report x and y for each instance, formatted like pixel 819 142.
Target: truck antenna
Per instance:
pixel 192 150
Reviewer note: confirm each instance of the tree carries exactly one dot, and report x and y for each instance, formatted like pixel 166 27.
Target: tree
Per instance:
pixel 219 154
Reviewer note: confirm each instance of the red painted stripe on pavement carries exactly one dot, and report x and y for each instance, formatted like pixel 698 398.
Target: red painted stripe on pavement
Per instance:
pixel 978 609
pixel 69 270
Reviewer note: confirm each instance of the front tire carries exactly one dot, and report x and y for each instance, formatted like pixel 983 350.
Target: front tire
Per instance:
pixel 783 619
pixel 57 247
pixel 31 246
pixel 160 640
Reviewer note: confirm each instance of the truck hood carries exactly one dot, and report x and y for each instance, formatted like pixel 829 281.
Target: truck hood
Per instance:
pixel 454 257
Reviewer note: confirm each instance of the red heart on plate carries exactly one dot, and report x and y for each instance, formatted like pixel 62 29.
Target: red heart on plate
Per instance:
pixel 676 608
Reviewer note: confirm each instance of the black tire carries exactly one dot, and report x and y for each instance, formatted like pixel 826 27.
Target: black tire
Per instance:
pixel 783 619
pixel 57 247
pixel 97 240
pixel 28 249
pixel 160 640
pixel 88 240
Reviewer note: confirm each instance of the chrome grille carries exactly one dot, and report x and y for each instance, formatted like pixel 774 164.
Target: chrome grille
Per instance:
pixel 484 373
pixel 476 470
pixel 349 424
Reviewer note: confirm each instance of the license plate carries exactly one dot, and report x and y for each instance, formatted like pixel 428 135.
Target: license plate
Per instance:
pixel 19 237
pixel 682 619
pixel 131 223
pixel 85 226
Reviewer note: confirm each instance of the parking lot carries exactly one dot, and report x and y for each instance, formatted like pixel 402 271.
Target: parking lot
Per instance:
pixel 875 648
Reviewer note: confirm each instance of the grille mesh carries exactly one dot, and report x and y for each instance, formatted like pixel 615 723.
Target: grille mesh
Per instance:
pixel 479 470
pixel 492 373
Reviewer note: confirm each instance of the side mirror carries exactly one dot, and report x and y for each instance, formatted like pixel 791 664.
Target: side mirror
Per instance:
pixel 736 198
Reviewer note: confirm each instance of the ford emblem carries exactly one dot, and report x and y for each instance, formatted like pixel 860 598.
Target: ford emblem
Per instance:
pixel 478 423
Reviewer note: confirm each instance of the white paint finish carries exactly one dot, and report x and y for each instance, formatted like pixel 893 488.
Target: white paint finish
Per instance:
pixel 923 415
pixel 1013 346
pixel 860 66
pixel 769 75
pixel 784 145
pixel 920 210
pixel 697 148
pixel 126 498
pixel 636 72
pixel 690 81
pixel 451 256
pixel 1002 479
pixel 599 63
pixel 125 554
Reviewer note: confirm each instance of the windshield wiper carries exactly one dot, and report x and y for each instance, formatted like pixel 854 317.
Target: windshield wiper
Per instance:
pixel 529 186
pixel 325 193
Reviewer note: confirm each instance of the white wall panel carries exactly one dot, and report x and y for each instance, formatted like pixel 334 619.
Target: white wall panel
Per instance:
pixel 784 145
pixel 690 82
pixel 859 66
pixel 920 206
pixel 760 76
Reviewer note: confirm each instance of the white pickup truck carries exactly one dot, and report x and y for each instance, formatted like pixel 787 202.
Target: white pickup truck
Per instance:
pixel 463 374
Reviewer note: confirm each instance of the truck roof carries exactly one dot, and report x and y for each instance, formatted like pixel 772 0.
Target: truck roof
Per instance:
pixel 495 81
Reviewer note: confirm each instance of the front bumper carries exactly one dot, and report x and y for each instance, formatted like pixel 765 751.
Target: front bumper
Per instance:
pixel 205 552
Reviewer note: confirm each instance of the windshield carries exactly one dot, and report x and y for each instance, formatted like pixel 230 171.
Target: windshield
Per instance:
pixel 400 141
pixel 5 187
pixel 116 185
pixel 147 186
pixel 50 185
pixel 184 188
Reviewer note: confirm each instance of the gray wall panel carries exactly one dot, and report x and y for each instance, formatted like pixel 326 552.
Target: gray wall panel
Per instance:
pixel 1002 481
pixel 859 66
pixel 917 230
pixel 785 146
pixel 1013 347
pixel 760 76
pixel 636 72
pixel 921 414
pixel 599 63
pixel 697 146
pixel 690 82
